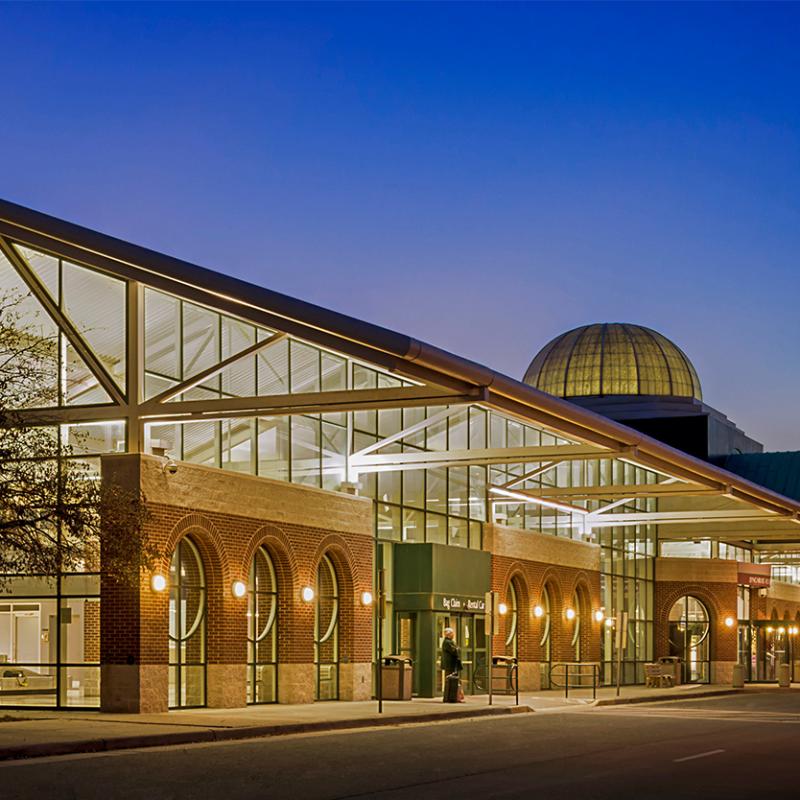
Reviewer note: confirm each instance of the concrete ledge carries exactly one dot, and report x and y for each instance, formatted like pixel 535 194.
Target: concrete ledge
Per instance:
pixel 204 735
pixel 663 698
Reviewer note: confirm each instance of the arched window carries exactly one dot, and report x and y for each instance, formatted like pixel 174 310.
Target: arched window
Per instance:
pixel 262 639
pixel 187 627
pixel 512 622
pixel 326 632
pixel 576 626
pixel 545 641
pixel 689 638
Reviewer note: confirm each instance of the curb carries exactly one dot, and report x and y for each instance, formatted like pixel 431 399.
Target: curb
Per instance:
pixel 204 735
pixel 622 701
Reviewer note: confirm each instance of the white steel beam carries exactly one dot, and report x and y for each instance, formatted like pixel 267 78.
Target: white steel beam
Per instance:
pixel 410 430
pixel 684 518
pixel 386 462
pixel 154 403
pixel 519 496
pixel 630 493
pixel 305 403
pixel 534 473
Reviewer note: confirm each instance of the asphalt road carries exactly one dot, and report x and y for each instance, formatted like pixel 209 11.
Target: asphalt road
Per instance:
pixel 730 747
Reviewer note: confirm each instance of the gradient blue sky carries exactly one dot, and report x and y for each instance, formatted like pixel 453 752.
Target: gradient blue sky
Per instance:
pixel 483 177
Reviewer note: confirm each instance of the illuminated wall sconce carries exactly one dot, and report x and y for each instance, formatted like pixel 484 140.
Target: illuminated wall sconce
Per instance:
pixel 770 629
pixel 609 622
pixel 502 608
pixel 239 589
pixel 781 631
pixel 158 583
pixel 307 594
pixel 366 598
pixel 793 630
pixel 599 615
pixel 570 614
pixel 538 611
pixel 729 622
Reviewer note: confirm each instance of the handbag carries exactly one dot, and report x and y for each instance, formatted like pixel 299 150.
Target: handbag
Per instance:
pixel 460 694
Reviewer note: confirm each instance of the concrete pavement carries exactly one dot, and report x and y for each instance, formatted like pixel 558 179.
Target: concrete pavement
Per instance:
pixel 30 734
pixel 729 748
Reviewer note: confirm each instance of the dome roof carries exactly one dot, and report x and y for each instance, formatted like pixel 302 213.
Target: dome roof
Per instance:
pixel 613 359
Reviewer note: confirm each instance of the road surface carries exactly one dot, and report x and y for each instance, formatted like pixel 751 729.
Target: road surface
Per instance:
pixel 741 746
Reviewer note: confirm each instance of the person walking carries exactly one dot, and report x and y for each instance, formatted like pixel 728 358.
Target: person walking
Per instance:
pixel 451 664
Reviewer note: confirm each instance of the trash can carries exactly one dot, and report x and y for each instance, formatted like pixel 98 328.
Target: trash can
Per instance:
pixel 396 678
pixel 671 665
pixel 738 676
pixel 503 674
pixel 784 675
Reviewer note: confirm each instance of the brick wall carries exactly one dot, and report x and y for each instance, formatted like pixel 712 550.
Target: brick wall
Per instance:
pixel 530 578
pixel 720 601
pixel 228 519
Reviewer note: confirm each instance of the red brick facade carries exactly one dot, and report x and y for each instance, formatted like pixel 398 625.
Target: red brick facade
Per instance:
pixel 134 622
pixel 720 602
pixel 530 579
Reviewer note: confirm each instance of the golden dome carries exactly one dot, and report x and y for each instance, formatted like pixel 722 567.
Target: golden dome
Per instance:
pixel 613 359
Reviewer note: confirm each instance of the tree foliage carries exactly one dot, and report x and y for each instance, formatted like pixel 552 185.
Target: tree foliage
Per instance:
pixel 56 515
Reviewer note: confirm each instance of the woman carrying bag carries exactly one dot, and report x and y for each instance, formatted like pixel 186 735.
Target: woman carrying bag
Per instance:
pixel 451 664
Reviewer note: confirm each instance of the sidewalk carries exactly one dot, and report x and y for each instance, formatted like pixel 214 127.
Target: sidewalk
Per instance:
pixel 31 734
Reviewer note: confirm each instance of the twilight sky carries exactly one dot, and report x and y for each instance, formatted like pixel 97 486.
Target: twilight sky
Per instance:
pixel 482 177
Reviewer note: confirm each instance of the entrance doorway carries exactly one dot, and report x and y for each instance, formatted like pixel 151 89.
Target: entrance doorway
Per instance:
pixel 470 630
pixel 689 632
pixel 772 643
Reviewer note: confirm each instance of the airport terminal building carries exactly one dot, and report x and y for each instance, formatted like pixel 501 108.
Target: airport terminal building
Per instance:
pixel 288 454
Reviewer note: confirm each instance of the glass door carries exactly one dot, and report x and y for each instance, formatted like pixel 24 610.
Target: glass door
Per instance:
pixel 470 637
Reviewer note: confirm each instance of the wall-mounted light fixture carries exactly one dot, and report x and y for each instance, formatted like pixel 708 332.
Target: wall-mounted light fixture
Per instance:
pixel 599 615
pixel 502 608
pixel 609 622
pixel 239 589
pixel 366 598
pixel 307 594
pixel 570 614
pixel 538 611
pixel 729 621
pixel 158 582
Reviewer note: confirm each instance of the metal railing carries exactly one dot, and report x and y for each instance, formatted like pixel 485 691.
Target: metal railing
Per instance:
pixel 575 675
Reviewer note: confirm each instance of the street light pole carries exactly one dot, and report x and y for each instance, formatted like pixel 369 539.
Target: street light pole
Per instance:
pixel 381 615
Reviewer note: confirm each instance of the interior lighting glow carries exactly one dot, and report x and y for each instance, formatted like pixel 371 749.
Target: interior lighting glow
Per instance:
pixel 366 598
pixel 609 622
pixel 729 622
pixel 538 611
pixel 158 582
pixel 307 594
pixel 781 631
pixel 570 613
pixel 502 608
pixel 238 588
pixel 599 615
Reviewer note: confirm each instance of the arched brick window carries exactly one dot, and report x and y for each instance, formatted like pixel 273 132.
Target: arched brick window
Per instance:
pixel 262 629
pixel 187 626
pixel 326 631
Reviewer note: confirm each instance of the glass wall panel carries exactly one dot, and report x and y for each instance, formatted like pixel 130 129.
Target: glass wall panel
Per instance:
pixel 96 305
